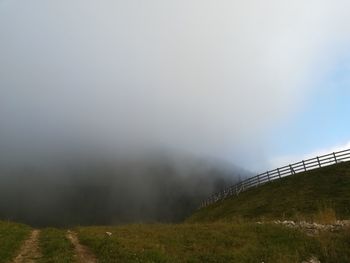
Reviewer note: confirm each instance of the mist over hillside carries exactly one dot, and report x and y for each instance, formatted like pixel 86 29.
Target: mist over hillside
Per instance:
pixel 86 190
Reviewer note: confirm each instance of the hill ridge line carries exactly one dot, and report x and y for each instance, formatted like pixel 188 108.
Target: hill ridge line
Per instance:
pixel 278 173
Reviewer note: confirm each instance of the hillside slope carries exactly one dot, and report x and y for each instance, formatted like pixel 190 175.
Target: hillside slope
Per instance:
pixel 311 195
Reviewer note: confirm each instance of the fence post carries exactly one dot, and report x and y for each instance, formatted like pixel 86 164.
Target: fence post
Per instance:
pixel 318 160
pixel 268 176
pixel 291 169
pixel 304 165
pixel 258 180
pixel 279 174
pixel 335 157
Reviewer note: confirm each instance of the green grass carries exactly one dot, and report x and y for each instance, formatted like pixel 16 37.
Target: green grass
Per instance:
pixel 335 247
pixel 11 238
pixel 211 242
pixel 218 242
pixel 55 247
pixel 301 197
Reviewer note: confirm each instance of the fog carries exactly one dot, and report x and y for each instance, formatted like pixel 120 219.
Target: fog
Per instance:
pixel 197 78
pixel 87 190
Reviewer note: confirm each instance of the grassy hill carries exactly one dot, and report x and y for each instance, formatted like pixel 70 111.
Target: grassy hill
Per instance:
pixel 316 195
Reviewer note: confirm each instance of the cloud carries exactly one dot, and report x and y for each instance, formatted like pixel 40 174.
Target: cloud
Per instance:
pixel 289 159
pixel 206 77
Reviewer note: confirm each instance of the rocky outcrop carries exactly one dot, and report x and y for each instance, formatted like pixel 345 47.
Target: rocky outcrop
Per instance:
pixel 315 228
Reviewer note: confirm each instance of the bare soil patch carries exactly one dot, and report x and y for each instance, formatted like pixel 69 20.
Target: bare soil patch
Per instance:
pixel 29 252
pixel 82 253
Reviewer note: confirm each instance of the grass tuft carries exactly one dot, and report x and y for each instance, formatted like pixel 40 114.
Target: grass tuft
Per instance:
pixel 326 216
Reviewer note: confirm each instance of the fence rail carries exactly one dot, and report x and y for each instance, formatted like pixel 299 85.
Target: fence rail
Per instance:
pixel 291 169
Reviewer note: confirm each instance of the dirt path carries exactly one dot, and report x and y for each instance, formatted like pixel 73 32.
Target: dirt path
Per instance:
pixel 82 253
pixel 29 252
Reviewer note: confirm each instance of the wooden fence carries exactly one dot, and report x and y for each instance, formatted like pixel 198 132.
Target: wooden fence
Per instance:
pixel 303 166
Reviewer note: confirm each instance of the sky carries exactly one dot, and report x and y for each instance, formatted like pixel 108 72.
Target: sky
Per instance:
pixel 321 127
pixel 258 84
